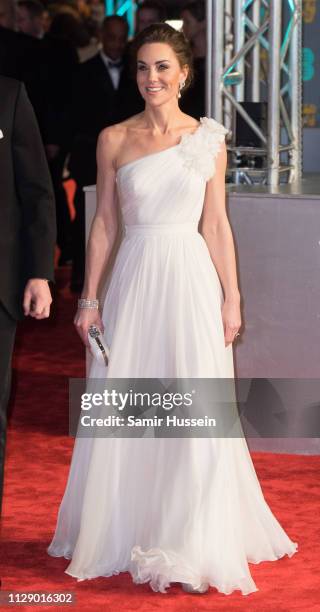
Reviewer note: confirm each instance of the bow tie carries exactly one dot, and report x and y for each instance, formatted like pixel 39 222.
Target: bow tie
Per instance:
pixel 115 64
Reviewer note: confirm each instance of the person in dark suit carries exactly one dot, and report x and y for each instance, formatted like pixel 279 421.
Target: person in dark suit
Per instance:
pixel 59 60
pixel 28 230
pixel 104 93
pixel 20 59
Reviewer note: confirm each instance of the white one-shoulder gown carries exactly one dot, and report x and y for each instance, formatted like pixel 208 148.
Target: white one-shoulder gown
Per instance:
pixel 166 509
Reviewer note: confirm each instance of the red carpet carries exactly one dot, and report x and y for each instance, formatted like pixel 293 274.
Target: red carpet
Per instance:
pixel 47 353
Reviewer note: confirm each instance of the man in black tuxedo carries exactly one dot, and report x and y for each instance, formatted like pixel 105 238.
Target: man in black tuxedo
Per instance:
pixel 28 230
pixel 104 93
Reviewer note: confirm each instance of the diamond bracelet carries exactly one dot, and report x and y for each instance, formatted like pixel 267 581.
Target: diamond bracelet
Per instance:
pixel 84 303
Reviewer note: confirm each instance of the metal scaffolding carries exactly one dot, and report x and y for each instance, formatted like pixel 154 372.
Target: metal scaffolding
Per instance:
pixel 254 55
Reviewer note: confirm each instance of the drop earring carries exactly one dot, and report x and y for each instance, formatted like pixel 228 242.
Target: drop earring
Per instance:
pixel 181 86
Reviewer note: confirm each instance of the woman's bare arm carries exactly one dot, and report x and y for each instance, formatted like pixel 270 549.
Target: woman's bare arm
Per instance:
pixel 216 230
pixel 104 226
pixel 103 230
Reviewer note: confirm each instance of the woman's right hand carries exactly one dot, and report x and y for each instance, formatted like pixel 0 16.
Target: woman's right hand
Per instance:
pixel 82 321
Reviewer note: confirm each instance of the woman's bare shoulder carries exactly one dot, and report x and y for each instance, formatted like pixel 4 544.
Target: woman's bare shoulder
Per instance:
pixel 118 132
pixel 115 138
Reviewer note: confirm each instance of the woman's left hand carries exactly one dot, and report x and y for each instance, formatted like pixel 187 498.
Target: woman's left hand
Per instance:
pixel 231 318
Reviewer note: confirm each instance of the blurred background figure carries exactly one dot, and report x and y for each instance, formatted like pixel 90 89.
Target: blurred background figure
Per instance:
pixel 20 58
pixel 69 25
pixel 194 27
pixel 58 62
pixel 97 11
pixel 7 14
pixel 151 11
pixel 31 18
pixel 103 93
pixel 46 20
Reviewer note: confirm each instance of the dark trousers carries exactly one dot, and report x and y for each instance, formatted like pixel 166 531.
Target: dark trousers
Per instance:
pixel 62 209
pixel 7 335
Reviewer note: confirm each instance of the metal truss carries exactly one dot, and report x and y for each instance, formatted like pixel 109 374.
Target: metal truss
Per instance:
pixel 254 54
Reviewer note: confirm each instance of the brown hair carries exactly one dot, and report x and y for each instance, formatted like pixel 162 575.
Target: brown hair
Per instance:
pixel 164 33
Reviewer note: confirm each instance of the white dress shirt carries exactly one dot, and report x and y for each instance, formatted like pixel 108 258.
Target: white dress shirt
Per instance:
pixel 114 71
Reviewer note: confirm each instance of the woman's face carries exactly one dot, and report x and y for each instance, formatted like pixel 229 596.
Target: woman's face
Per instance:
pixel 159 73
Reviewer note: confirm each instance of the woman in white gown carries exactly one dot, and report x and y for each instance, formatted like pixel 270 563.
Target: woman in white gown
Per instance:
pixel 187 510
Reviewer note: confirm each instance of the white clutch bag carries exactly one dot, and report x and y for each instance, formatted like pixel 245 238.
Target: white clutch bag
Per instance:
pixel 99 347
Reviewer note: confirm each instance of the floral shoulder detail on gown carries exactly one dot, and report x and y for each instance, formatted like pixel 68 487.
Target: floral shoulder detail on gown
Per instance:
pixel 201 148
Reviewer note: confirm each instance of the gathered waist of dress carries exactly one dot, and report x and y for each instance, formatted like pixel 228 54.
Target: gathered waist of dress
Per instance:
pixel 161 228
